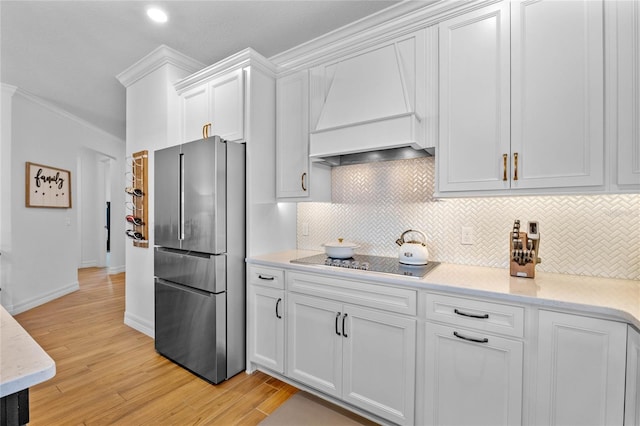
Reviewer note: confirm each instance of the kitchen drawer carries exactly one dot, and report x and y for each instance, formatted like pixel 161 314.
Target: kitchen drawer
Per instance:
pixel 475 314
pixel 400 300
pixel 268 277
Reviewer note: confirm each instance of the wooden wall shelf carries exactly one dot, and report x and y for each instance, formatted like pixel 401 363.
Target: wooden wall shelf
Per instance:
pixel 137 207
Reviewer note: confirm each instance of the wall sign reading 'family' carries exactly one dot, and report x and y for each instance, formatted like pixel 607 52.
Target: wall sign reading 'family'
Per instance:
pixel 47 186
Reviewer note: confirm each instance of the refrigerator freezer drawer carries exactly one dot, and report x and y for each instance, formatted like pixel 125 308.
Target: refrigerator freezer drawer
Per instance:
pixel 190 329
pixel 198 270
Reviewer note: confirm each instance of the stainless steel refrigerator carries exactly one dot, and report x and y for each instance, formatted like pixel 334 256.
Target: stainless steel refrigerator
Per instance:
pixel 199 214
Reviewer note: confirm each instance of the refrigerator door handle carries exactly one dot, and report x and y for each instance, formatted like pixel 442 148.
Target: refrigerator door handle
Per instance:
pixel 181 202
pixel 184 288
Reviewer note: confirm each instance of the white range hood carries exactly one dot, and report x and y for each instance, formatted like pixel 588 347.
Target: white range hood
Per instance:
pixel 368 103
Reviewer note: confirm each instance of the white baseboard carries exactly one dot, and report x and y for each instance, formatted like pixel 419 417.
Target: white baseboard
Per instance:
pixel 140 324
pixel 89 264
pixel 116 269
pixel 43 298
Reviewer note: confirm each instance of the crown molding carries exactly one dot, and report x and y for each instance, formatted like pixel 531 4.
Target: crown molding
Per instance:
pixel 160 56
pixel 241 59
pixel 395 21
pixel 63 113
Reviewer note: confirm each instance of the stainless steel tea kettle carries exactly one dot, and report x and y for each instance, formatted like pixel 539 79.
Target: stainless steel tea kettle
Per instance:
pixel 413 252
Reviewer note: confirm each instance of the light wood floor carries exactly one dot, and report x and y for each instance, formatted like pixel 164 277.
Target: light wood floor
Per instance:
pixel 109 373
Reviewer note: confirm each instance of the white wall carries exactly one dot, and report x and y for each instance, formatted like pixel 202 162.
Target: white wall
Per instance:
pixel 45 242
pixel 5 194
pixel 152 123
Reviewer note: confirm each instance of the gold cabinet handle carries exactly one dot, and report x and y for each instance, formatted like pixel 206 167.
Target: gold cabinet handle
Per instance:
pixel 205 130
pixel 302 181
pixel 515 163
pixel 504 167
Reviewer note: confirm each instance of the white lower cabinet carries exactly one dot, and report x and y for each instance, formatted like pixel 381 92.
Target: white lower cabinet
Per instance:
pixel 473 370
pixel 266 313
pixel 362 356
pixel 314 343
pixel 632 403
pixel 581 370
pixel 266 331
pixel 482 361
pixel 472 378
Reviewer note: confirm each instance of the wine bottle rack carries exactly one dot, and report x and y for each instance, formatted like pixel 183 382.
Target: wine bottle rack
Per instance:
pixel 138 204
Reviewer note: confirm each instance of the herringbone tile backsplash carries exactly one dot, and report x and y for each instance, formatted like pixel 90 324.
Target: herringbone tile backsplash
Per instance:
pixel 594 235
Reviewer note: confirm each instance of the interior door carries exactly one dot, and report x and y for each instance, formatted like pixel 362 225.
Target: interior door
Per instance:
pixel 203 188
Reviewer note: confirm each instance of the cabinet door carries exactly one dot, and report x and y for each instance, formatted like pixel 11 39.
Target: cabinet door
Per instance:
pixel 632 404
pixel 472 381
pixel 474 100
pixel 292 135
pixel 581 370
pixel 266 330
pixel 227 106
pixel 195 112
pixel 557 117
pixel 379 363
pixel 314 343
pixel 628 68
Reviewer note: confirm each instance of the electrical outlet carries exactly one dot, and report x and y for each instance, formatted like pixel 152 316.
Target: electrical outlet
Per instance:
pixel 466 235
pixel 305 228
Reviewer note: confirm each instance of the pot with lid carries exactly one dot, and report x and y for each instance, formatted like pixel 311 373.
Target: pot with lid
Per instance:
pixel 340 249
pixel 413 251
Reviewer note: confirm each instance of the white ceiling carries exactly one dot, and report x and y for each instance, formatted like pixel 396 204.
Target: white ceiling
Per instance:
pixel 69 52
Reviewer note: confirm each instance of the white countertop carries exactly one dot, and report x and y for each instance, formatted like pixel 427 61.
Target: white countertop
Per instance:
pixel 607 298
pixel 23 363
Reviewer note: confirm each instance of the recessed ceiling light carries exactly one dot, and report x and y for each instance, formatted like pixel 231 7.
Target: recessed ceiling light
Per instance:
pixel 157 15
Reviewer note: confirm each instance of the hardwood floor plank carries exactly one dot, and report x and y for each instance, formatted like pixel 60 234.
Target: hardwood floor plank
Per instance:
pixel 270 404
pixel 108 373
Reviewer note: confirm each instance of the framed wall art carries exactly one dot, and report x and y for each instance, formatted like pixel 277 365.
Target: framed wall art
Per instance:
pixel 47 186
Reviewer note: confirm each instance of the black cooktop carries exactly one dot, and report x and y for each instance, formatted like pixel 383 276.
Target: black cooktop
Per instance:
pixel 386 265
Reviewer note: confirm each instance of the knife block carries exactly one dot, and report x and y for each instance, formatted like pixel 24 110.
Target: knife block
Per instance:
pixel 521 265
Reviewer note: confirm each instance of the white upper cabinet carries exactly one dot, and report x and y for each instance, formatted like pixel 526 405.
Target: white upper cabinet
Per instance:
pixel 557 93
pixel 628 69
pixel 195 113
pixel 215 108
pixel 295 174
pixel 474 101
pixel 522 97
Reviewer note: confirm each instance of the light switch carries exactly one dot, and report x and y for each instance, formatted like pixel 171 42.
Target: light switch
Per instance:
pixel 466 235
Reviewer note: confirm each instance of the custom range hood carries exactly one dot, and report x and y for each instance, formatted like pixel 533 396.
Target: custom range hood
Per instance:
pixel 373 106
